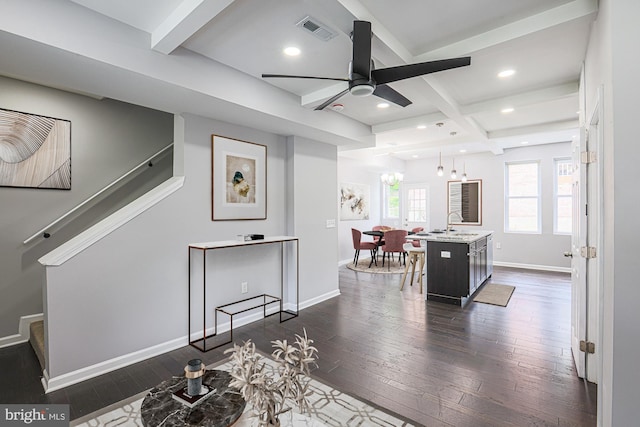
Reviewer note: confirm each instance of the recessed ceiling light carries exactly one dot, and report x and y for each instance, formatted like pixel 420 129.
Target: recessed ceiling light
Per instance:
pixel 421 126
pixel 506 73
pixel 507 110
pixel 524 142
pixel 291 51
pixel 415 156
pixel 463 151
pixel 383 105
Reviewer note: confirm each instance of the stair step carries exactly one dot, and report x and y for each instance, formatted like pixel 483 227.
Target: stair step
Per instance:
pixel 36 339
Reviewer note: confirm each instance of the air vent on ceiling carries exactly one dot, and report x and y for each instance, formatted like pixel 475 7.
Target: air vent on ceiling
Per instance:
pixel 317 28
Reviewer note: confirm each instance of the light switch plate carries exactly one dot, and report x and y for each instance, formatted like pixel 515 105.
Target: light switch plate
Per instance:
pixel 331 223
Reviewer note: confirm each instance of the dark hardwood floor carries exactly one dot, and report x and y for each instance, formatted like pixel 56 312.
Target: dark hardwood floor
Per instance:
pixel 435 364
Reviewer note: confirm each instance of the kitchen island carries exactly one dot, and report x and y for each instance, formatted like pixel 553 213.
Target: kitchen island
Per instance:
pixel 458 263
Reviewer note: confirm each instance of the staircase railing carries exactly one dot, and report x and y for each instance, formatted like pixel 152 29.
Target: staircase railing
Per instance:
pixel 43 232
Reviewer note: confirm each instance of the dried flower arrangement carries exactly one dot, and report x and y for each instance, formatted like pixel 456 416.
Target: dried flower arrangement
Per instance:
pixel 267 388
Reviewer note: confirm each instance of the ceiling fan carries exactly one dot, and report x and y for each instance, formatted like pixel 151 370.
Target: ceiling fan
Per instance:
pixel 365 80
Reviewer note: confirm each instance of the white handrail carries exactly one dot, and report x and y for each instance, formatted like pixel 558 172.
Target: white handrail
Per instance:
pixel 60 219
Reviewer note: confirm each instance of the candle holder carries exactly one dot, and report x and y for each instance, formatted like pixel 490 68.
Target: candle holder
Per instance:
pixel 193 372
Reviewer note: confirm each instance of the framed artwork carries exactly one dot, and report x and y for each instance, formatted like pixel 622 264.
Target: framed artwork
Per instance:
pixel 354 201
pixel 465 199
pixel 35 151
pixel 239 179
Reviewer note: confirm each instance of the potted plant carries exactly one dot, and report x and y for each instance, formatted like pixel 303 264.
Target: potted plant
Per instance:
pixel 267 388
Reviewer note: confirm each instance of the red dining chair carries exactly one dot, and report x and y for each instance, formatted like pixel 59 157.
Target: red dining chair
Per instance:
pixel 416 243
pixel 358 244
pixel 394 241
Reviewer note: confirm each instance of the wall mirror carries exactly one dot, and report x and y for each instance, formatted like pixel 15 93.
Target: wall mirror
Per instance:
pixel 465 198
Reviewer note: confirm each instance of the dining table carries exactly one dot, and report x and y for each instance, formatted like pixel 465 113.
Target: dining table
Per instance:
pixel 380 241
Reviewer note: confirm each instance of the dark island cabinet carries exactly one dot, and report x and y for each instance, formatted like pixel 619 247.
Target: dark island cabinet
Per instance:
pixel 456 270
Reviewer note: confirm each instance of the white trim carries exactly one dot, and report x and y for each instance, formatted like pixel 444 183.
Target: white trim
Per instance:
pixel 88 237
pixel 74 377
pixel 319 299
pixel 24 333
pixel 532 266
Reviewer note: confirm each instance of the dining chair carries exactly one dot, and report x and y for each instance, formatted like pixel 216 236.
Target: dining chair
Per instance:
pixel 358 244
pixel 415 230
pixel 394 241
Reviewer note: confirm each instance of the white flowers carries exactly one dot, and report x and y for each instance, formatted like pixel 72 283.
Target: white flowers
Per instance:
pixel 266 388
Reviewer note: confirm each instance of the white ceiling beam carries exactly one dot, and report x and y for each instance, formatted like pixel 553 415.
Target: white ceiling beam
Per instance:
pixel 532 24
pixel 411 122
pixel 358 10
pixel 533 97
pixel 541 128
pixel 185 21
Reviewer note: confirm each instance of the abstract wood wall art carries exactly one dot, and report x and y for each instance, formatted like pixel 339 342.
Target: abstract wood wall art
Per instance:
pixel 239 179
pixel 35 151
pixel 354 201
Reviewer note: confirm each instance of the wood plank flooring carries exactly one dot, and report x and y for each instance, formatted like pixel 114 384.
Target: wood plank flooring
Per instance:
pixel 435 364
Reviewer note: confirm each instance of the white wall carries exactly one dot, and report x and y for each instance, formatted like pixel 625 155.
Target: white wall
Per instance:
pixel 312 179
pixel 612 62
pixel 543 250
pixel 128 292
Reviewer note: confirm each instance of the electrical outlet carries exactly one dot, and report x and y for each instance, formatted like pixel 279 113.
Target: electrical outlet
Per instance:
pixel 498 245
pixel 245 287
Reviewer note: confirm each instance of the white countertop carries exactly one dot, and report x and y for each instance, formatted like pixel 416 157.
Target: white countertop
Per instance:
pixel 459 236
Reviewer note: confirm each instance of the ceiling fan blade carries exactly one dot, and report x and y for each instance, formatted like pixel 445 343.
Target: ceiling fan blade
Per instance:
pixel 393 74
pixel 331 100
pixel 391 95
pixel 286 76
pixel 361 58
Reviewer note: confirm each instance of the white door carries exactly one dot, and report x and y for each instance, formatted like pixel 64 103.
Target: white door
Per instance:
pixel 578 263
pixel 586 274
pixel 415 206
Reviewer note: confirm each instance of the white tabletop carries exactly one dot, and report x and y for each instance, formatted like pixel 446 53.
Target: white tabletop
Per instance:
pixel 232 243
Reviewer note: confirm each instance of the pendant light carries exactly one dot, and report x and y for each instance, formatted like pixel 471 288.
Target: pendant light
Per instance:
pixel 464 172
pixel 440 168
pixel 453 170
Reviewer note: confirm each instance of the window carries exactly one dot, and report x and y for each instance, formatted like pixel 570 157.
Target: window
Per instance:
pixel 563 201
pixel 391 201
pixel 522 197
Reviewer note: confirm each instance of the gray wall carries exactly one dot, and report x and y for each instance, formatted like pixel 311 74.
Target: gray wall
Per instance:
pixel 130 288
pixel 542 250
pixel 108 138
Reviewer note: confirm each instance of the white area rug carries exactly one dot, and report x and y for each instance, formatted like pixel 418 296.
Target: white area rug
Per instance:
pixel 329 407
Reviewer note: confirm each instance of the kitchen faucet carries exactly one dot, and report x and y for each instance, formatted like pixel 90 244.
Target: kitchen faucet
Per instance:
pixel 449 219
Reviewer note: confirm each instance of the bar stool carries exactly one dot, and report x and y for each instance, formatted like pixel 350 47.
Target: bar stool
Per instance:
pixel 416 255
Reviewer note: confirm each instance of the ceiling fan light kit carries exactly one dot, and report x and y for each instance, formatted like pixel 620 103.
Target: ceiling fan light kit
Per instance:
pixel 365 80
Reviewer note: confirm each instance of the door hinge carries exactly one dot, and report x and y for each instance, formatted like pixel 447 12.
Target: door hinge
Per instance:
pixel 588 252
pixel 587 157
pixel 587 347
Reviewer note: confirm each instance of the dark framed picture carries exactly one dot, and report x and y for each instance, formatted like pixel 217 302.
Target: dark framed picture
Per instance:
pixel 35 151
pixel 239 179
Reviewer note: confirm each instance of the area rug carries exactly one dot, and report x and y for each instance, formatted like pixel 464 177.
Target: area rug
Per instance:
pixel 329 407
pixel 389 268
pixel 495 294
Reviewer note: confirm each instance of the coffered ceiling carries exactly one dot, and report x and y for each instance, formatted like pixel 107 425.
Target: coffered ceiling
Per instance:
pixel 206 57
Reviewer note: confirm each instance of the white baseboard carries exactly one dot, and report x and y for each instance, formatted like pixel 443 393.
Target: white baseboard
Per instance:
pixel 70 378
pixel 533 266
pixel 23 334
pixel 74 377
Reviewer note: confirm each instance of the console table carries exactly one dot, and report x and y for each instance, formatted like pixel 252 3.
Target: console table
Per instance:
pixel 211 341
